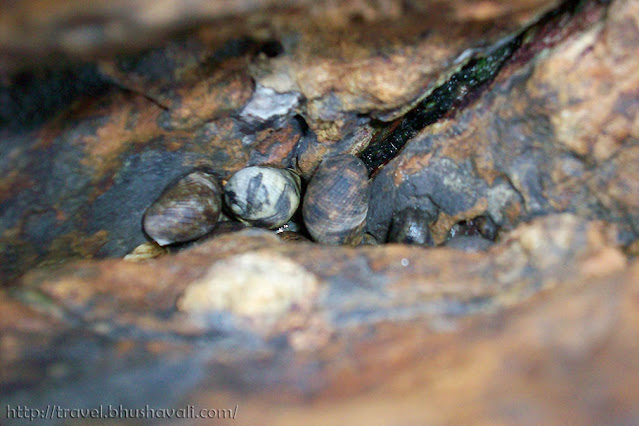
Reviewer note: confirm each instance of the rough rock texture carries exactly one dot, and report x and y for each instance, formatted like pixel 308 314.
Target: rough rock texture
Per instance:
pixel 540 327
pixel 84 152
pixel 37 30
pixel 535 143
pixel 391 318
pixel 79 185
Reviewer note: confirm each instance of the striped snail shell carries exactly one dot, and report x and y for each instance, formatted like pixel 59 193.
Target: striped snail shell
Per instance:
pixel 187 209
pixel 336 201
pixel 263 196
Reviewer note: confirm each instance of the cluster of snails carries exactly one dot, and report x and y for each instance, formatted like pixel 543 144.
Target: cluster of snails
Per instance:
pixel 334 207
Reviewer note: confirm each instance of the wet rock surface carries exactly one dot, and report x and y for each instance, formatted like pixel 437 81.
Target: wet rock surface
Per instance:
pixel 520 151
pixel 507 292
pixel 404 307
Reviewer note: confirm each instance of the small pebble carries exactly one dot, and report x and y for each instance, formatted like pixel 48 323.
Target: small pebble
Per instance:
pixel 146 251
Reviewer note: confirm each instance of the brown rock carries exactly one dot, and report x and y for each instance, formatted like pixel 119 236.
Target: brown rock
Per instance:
pixel 375 316
pixel 540 140
pixel 540 327
pixel 41 30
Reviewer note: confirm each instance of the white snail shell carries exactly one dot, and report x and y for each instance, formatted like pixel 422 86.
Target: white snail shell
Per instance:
pixel 263 196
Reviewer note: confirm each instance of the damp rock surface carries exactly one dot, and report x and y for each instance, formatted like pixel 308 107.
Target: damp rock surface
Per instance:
pixel 78 174
pixel 535 143
pixel 410 309
pixel 519 304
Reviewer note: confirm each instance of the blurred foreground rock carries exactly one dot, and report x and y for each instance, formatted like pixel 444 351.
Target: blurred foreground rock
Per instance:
pixel 552 308
pixel 540 327
pixel 33 31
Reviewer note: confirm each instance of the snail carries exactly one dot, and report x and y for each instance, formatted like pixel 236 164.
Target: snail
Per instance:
pixel 336 201
pixel 188 209
pixel 476 234
pixel 410 226
pixel 263 196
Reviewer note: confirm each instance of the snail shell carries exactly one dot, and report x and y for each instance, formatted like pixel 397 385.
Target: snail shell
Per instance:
pixel 263 196
pixel 186 210
pixel 336 201
pixel 410 226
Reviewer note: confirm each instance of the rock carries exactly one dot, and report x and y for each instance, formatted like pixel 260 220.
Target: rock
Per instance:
pixel 469 243
pixel 102 169
pixel 544 147
pixel 258 288
pixel 314 325
pixel 141 118
pixel 292 236
pixel 521 150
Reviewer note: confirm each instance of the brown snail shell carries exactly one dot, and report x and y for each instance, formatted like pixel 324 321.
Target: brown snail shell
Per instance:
pixel 336 201
pixel 186 210
pixel 263 196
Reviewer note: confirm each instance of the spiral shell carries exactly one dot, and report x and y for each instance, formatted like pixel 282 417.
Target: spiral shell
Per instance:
pixel 410 226
pixel 186 210
pixel 263 196
pixel 336 201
